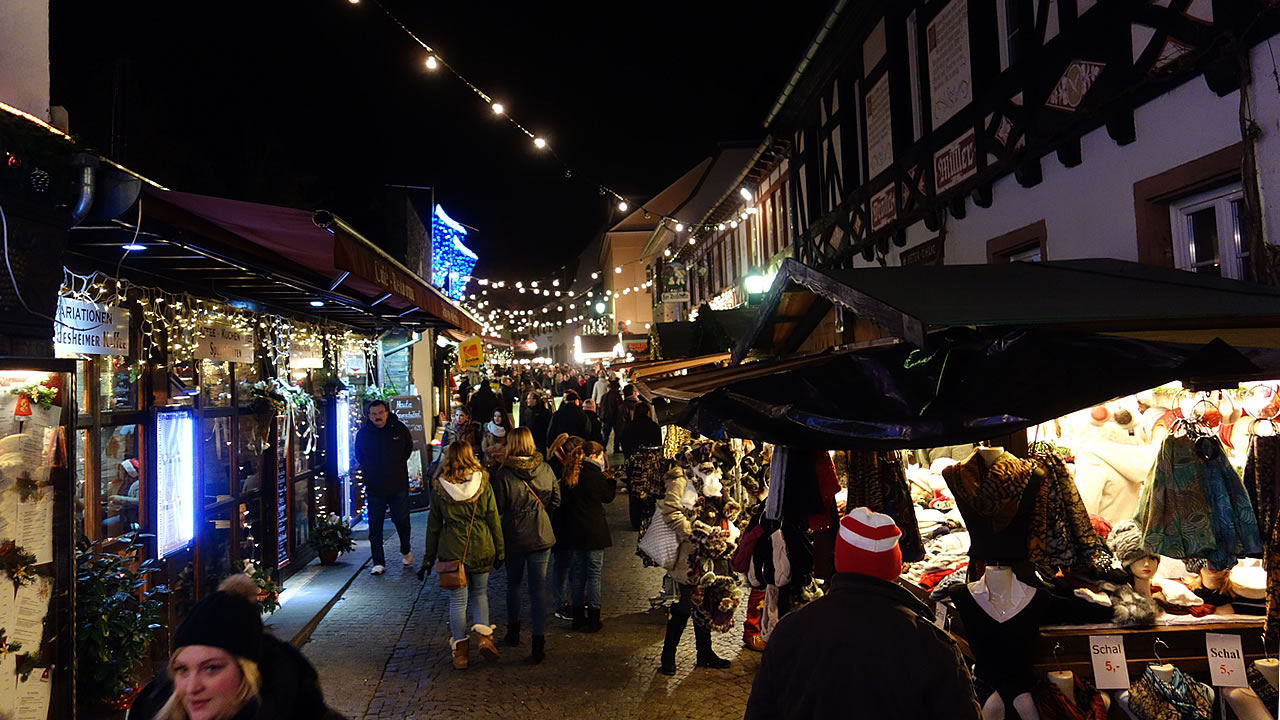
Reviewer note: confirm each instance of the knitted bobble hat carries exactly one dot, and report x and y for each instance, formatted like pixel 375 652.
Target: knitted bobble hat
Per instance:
pixel 867 544
pixel 227 619
pixel 1125 541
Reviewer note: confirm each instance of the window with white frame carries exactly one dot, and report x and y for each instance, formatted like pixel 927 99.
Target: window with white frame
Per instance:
pixel 1209 233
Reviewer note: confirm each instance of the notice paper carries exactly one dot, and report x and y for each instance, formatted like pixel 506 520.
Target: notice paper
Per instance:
pixel 1110 668
pixel 8 685
pixel 35 527
pixel 1226 660
pixel 32 606
pixel 33 696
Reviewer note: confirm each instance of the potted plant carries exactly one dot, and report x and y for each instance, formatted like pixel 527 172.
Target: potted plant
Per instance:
pixel 330 537
pixel 116 618
pixel 268 588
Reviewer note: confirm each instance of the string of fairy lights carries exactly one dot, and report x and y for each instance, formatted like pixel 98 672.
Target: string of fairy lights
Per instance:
pixel 434 62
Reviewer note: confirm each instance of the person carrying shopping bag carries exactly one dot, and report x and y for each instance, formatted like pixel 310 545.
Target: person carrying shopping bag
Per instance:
pixel 464 534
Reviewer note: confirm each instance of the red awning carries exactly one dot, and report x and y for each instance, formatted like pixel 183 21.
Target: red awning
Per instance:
pixel 270 233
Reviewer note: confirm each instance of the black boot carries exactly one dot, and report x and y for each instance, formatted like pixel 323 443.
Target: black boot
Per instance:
pixel 593 620
pixel 539 649
pixel 706 655
pixel 513 634
pixel 675 628
pixel 579 619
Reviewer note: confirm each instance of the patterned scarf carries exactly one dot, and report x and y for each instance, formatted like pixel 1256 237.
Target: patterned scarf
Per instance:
pixel 1179 699
pixel 1053 705
pixel 1265 691
pixel 994 492
pixel 1061 534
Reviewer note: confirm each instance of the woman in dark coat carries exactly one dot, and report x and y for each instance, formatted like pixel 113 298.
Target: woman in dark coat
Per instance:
pixel 527 494
pixel 537 417
pixel 641 430
pixel 584 530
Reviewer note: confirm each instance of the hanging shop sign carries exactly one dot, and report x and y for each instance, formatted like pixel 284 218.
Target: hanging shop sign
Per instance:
pixel 353 362
pixel 675 282
pixel 950 85
pixel 224 343
pixel 90 329
pixel 955 162
pixel 306 357
pixel 471 353
pixel 175 480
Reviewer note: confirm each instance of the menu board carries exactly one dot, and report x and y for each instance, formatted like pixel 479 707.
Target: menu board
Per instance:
pixel 175 480
pixel 282 491
pixel 409 409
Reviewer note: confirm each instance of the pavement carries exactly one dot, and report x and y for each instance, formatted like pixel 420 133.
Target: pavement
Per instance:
pixel 382 650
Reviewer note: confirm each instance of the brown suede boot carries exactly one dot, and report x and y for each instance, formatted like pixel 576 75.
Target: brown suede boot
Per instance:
pixel 461 649
pixel 484 641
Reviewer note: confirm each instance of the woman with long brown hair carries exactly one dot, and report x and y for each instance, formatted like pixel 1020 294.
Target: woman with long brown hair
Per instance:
pixel 494 444
pixel 527 494
pixel 561 559
pixel 463 525
pixel 584 531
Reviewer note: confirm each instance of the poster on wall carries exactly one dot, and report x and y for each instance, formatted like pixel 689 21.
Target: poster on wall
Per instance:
pixel 175 480
pixel 879 127
pixel 675 283
pixel 950 75
pixel 471 353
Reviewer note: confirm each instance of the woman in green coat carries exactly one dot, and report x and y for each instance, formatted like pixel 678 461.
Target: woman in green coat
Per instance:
pixel 463 525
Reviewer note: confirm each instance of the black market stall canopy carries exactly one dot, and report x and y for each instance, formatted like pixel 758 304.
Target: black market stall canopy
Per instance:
pixel 279 257
pixel 713 331
pixel 970 386
pixel 1100 295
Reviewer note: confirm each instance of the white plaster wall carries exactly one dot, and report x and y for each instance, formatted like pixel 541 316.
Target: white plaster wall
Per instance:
pixel 1088 210
pixel 24 55
pixel 1265 93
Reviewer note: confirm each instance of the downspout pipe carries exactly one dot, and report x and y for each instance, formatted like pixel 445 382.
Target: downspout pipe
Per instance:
pixel 87 163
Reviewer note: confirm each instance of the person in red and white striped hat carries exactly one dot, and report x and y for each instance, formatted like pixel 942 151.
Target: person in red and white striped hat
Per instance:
pixel 867 648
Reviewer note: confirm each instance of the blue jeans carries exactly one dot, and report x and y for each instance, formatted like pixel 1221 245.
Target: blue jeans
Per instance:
pixel 560 562
pixel 536 563
pixel 606 431
pixel 475 594
pixel 378 504
pixel 585 577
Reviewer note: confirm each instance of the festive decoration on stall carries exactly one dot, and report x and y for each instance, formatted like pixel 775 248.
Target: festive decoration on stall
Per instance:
pixel 42 394
pixel 19 564
pixel 268 589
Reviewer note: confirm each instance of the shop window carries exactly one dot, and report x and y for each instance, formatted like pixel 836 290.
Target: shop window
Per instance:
pixel 246 375
pixel 83 448
pixel 118 383
pixel 253 530
pixel 215 384
pixel 1026 244
pixel 1208 236
pixel 215 458
pixel 119 475
pixel 182 383
pixel 214 539
pixel 83 405
pixel 251 447
pixel 301 513
pixel 1012 31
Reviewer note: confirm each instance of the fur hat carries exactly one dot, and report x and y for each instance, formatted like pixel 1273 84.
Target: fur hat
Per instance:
pixel 867 544
pixel 1125 541
pixel 228 619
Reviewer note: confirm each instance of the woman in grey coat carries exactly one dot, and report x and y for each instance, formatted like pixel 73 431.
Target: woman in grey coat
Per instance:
pixel 527 493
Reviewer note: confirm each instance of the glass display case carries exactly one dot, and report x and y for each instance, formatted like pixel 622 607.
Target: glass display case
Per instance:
pixel 37 511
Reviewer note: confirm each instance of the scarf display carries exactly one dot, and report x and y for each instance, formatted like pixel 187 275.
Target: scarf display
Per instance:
pixel 1062 535
pixel 1182 698
pixel 877 480
pixel 1262 482
pixel 645 469
pixel 1265 691
pixel 1191 507
pixel 1085 702
pixel 994 492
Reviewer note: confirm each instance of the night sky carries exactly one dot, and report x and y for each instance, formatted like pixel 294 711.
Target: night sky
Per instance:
pixel 319 104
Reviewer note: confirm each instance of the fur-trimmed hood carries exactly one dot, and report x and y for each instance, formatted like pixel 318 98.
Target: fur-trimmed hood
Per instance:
pixel 523 463
pixel 466 491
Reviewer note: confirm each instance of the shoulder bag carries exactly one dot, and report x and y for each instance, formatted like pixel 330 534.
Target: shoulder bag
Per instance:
pixel 453 573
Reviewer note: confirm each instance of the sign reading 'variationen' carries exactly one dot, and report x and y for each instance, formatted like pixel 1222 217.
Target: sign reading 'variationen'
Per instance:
pixel 91 329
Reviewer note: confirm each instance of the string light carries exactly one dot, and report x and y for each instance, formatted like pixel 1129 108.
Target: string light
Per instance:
pixel 432 64
pixel 622 205
pixel 497 108
pixel 539 143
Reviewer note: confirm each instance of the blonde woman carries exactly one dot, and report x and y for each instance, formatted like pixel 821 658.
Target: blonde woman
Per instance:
pixel 463 525
pixel 220 659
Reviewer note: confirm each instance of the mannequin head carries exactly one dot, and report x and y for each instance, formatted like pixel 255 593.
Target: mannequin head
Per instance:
pixel 1144 568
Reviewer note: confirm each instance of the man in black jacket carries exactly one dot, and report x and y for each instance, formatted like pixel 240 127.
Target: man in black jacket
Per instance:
pixel 569 419
pixel 866 649
pixel 383 447
pixel 483 402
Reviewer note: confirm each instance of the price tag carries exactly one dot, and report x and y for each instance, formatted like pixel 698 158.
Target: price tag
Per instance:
pixel 940 615
pixel 1226 660
pixel 1110 668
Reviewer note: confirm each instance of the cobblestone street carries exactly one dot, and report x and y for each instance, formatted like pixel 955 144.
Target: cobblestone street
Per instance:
pixel 382 651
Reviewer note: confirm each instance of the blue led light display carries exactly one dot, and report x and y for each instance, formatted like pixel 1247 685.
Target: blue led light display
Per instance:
pixel 451 260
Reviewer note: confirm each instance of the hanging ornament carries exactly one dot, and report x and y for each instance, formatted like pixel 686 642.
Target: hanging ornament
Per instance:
pixel 24 406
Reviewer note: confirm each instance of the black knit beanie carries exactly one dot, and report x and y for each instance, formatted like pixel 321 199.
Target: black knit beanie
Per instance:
pixel 223 620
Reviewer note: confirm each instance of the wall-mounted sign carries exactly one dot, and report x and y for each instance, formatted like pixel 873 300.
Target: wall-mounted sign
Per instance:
pixel 675 282
pixel 471 353
pixel 175 480
pixel 223 343
pixel 928 252
pixel 90 329
pixel 879 127
pixel 308 356
pixel 950 77
pixel 282 491
pixel 955 162
pixel 635 344
pixel 884 208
